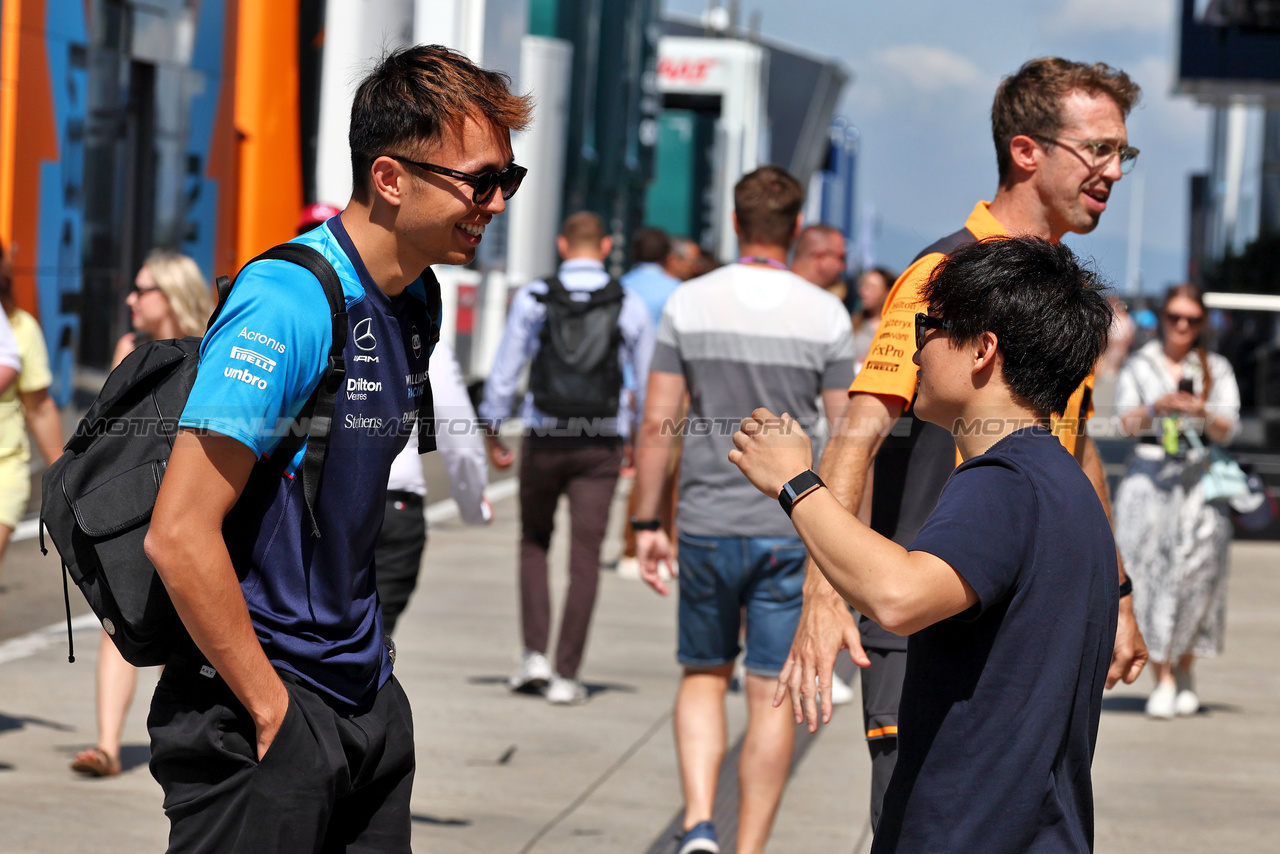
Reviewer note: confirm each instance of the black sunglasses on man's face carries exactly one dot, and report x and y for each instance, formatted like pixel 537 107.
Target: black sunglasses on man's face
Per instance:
pixel 483 185
pixel 924 323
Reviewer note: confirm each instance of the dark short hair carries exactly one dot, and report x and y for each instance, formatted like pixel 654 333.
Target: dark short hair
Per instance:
pixel 1049 313
pixel 583 229
pixel 415 94
pixel 1030 101
pixel 767 202
pixel 649 245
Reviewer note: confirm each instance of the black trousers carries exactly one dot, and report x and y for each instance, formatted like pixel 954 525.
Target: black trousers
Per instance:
pixel 881 694
pixel 397 555
pixel 332 781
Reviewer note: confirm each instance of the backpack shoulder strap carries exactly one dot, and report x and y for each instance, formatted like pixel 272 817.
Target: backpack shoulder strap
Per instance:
pixel 223 287
pixel 611 292
pixel 555 289
pixel 314 423
pixel 426 404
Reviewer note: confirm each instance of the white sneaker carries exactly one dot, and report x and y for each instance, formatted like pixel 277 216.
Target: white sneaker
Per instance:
pixel 533 673
pixel 629 568
pixel 1186 703
pixel 841 693
pixel 1162 703
pixel 566 692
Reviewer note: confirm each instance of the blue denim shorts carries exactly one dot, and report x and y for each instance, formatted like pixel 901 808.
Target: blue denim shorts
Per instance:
pixel 720 578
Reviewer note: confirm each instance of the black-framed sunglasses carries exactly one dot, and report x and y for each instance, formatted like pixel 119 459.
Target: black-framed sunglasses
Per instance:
pixel 483 185
pixel 135 288
pixel 1190 319
pixel 925 322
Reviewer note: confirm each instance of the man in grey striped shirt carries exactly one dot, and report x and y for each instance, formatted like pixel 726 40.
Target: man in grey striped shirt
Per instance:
pixel 749 334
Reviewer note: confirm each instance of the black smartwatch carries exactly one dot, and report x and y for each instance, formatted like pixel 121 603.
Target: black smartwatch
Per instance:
pixel 1126 587
pixel 798 487
pixel 645 524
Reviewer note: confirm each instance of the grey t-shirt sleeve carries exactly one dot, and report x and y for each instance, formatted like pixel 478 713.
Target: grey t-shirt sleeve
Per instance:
pixel 666 351
pixel 838 371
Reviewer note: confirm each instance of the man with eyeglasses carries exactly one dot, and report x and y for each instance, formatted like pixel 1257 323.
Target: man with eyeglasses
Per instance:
pixel 280 726
pixel 1061 144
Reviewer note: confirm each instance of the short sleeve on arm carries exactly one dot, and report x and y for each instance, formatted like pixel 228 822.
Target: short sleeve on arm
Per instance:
pixel 983 527
pixel 838 371
pixel 888 368
pixel 35 373
pixel 1128 393
pixel 262 359
pixel 9 355
pixel 1071 425
pixel 666 350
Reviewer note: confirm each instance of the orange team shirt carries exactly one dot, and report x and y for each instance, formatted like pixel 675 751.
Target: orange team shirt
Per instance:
pixel 889 370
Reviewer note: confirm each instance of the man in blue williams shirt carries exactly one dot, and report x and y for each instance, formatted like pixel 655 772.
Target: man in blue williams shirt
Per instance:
pixel 559 457
pixel 281 727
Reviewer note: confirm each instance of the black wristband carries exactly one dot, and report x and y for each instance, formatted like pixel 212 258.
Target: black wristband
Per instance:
pixel 645 524
pixel 798 487
pixel 1126 587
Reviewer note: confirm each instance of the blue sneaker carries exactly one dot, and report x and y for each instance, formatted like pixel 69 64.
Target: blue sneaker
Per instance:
pixel 700 838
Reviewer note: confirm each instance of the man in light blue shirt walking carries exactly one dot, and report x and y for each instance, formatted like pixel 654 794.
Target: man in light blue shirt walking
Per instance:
pixel 648 278
pixel 573 450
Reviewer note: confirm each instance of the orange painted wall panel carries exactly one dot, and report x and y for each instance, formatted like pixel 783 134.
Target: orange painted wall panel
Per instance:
pixel 224 155
pixel 31 138
pixel 266 114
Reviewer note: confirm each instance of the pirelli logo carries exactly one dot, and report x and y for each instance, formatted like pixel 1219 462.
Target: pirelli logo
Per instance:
pixel 880 366
pixel 256 359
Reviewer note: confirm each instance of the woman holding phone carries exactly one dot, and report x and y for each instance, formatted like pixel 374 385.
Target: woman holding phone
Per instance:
pixel 1174 543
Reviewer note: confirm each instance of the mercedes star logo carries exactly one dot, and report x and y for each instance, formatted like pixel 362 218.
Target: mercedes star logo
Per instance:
pixel 364 335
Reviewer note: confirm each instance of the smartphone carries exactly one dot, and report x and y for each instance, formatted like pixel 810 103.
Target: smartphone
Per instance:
pixel 1185 384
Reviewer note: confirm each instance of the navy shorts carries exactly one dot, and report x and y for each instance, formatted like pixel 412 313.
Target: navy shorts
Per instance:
pixel 720 578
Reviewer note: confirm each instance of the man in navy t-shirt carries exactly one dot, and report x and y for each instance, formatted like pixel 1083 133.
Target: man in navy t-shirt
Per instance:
pixel 281 727
pixel 1009 592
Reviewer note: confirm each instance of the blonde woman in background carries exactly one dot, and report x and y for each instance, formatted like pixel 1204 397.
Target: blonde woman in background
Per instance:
pixel 169 299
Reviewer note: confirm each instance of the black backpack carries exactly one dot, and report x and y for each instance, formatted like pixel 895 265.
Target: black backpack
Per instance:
pixel 98 496
pixel 575 373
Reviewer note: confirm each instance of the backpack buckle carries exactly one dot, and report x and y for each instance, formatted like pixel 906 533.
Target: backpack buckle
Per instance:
pixel 337 372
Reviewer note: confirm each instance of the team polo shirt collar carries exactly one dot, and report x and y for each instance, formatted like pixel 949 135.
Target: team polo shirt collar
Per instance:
pixel 982 224
pixel 581 265
pixel 371 289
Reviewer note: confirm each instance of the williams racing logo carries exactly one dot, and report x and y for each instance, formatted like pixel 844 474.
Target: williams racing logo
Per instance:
pixel 256 359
